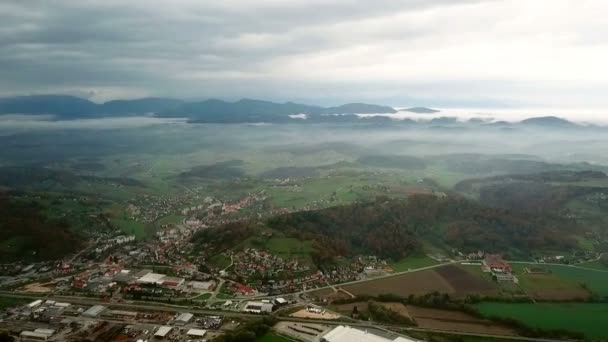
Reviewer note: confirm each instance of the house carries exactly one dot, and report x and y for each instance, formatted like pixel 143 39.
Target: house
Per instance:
pixel 245 290
pixel 496 264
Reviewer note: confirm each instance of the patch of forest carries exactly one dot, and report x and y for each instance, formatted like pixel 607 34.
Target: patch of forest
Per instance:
pixel 41 178
pixel 222 170
pixel 393 161
pixel 531 192
pixel 396 228
pixel 26 232
pixel 480 164
pixel 468 185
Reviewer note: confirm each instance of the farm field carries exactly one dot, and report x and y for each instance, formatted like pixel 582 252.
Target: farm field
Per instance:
pixel 549 286
pixel 363 308
pixel 596 265
pixel 414 283
pixel 449 279
pixel 347 309
pixel 455 321
pixel 587 318
pixel 329 295
pixel 464 283
pixel 413 262
pixel 545 286
pixel 595 280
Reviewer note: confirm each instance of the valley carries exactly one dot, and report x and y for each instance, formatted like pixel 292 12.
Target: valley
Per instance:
pixel 217 221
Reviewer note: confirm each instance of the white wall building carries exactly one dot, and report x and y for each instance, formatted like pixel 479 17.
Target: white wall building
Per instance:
pixel 347 334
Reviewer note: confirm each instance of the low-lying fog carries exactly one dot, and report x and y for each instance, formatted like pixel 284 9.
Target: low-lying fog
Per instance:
pixel 343 141
pixel 583 116
pixel 19 123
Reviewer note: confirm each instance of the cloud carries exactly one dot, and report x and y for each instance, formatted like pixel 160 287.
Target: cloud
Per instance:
pixel 519 52
pixel 17 123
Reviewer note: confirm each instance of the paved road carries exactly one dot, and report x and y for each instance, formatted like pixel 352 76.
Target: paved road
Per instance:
pixel 141 306
pixel 391 328
pixel 555 264
pixel 180 309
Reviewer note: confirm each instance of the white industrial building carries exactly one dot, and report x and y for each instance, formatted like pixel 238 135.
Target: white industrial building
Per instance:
pixel 183 319
pixel 94 311
pixel 197 286
pixel 37 335
pixel 151 278
pixel 196 332
pixel 162 332
pixel 34 304
pixel 347 334
pixel 258 307
pixel 33 336
pixel 280 301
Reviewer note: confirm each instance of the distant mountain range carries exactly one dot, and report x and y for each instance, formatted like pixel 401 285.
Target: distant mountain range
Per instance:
pixel 65 107
pixel 420 110
pixel 71 107
pixel 548 121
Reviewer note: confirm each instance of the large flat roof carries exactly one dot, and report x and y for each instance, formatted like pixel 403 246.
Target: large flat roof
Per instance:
pixel 94 310
pixel 163 331
pixel 32 334
pixel 185 317
pixel 196 332
pixel 151 278
pixel 347 334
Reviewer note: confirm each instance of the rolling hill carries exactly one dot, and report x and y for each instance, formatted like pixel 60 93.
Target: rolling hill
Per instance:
pixel 212 110
pixel 420 110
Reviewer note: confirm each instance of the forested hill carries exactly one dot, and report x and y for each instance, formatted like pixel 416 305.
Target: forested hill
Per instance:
pixel 545 191
pixel 218 111
pixel 26 233
pixel 394 228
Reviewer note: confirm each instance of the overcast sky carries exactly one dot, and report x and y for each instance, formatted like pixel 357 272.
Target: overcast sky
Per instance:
pixel 516 53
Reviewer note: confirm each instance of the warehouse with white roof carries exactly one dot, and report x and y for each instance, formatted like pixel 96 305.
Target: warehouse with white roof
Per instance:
pixel 151 278
pixel 183 318
pixel 347 334
pixel 162 332
pixel 196 332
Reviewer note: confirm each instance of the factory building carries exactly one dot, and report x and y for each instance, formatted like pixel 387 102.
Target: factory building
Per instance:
pixel 347 334
pixel 258 307
pixel 196 333
pixel 162 332
pixel 94 311
pixel 183 319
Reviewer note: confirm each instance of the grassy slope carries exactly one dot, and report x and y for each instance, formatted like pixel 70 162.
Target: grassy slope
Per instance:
pixel 412 262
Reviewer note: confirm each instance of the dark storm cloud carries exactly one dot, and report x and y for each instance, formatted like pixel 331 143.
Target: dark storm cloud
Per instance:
pixel 331 50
